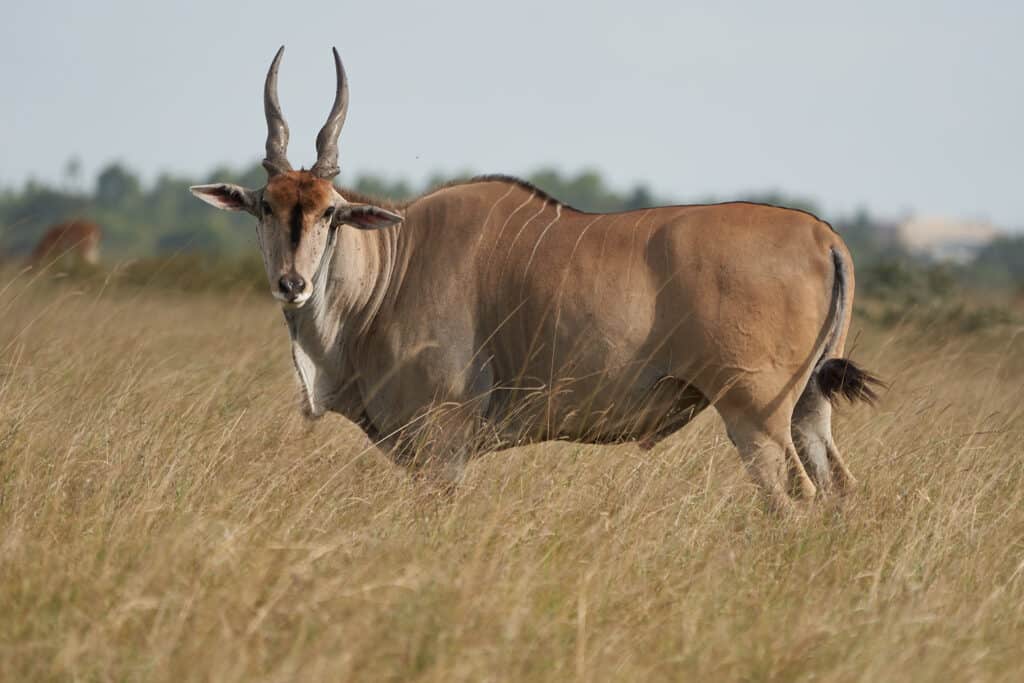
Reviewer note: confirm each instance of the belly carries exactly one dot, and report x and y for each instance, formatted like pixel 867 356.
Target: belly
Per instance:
pixel 594 410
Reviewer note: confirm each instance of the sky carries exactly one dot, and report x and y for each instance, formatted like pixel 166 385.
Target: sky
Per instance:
pixel 900 107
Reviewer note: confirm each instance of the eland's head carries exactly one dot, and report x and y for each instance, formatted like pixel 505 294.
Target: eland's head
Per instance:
pixel 298 211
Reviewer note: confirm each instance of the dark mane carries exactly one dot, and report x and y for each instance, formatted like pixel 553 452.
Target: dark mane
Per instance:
pixel 525 184
pixel 388 203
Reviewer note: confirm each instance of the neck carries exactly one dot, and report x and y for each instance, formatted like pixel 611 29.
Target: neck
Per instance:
pixel 359 275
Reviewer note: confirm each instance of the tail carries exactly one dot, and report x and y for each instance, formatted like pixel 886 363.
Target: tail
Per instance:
pixel 840 377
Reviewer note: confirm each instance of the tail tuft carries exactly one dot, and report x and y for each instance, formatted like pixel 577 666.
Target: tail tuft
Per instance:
pixel 839 377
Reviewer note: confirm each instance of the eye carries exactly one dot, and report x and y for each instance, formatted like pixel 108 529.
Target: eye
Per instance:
pixel 265 208
pixel 329 212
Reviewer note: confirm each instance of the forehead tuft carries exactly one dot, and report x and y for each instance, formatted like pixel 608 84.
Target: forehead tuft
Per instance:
pixel 299 188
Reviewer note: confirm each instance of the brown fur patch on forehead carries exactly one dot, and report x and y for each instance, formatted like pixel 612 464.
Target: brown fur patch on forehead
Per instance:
pixel 299 188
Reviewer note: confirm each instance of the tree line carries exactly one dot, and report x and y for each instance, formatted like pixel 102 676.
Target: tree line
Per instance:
pixel 162 218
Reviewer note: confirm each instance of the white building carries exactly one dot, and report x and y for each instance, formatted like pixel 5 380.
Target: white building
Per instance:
pixel 946 239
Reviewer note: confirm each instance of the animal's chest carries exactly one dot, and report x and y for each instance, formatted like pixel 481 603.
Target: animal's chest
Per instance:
pixel 403 376
pixel 326 381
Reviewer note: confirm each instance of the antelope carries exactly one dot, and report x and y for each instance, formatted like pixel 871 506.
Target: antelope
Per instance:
pixel 77 237
pixel 487 314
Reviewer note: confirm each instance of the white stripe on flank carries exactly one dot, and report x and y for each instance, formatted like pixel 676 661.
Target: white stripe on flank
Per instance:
pixel 508 218
pixel 561 287
pixel 558 214
pixel 526 225
pixel 632 246
pixel 487 219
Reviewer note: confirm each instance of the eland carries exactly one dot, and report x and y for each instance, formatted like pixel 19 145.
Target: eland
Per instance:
pixel 487 314
pixel 77 238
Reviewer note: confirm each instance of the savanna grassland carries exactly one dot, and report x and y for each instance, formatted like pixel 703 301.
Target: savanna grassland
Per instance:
pixel 166 514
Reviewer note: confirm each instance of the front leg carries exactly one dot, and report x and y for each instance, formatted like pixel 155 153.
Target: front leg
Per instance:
pixel 436 446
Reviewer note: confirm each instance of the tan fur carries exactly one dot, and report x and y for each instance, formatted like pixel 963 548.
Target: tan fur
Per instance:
pixel 543 322
pixel 286 193
pixel 78 238
pixel 287 190
pixel 489 314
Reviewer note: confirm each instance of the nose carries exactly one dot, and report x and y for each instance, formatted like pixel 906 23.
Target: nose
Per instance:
pixel 291 285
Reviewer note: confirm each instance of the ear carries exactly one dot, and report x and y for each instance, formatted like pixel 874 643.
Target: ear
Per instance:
pixel 225 196
pixel 366 216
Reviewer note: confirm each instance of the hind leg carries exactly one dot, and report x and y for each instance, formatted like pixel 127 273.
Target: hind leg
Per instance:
pixel 844 481
pixel 812 435
pixel 766 448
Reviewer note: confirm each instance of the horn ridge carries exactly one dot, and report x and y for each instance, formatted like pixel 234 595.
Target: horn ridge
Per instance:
pixel 276 160
pixel 326 165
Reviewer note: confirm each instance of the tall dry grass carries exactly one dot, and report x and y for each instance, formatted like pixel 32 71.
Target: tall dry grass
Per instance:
pixel 166 514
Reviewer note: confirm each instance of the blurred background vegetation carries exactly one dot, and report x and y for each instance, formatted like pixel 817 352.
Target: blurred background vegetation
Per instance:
pixel 162 218
pixel 159 233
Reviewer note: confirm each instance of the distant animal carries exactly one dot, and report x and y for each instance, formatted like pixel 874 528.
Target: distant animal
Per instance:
pixel 487 314
pixel 77 238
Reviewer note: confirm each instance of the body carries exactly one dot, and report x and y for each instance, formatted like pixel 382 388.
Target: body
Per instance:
pixel 78 238
pixel 488 314
pixel 522 319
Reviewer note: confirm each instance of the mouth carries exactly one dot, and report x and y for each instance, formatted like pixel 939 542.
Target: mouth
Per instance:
pixel 291 302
